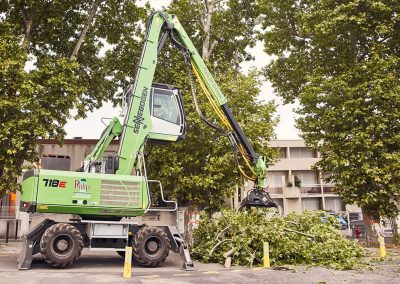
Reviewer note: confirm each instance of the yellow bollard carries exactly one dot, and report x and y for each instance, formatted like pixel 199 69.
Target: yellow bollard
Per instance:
pixel 382 248
pixel 128 263
pixel 266 255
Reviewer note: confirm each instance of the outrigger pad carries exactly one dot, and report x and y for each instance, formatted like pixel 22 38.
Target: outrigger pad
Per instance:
pixel 31 244
pixel 187 264
pixel 258 198
pixel 26 255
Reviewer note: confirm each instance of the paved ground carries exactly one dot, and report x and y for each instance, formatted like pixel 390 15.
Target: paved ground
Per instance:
pixel 96 267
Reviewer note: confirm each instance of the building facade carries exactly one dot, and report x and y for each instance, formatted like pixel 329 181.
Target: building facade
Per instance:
pixel 295 186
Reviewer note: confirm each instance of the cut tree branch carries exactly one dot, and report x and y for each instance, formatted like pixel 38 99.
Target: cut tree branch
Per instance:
pixel 300 233
pixel 217 245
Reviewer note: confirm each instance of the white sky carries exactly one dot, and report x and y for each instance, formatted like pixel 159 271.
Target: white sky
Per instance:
pixel 91 127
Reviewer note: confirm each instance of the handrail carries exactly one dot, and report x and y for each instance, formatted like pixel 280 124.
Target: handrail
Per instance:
pixel 163 200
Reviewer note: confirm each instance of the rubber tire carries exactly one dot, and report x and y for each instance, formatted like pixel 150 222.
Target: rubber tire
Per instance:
pixel 139 252
pixel 47 241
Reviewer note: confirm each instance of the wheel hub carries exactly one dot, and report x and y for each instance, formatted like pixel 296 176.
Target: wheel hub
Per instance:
pixel 152 246
pixel 62 245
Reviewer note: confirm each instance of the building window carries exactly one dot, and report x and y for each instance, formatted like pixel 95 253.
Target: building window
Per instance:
pixel 311 203
pixel 325 177
pixel 278 201
pixel 275 179
pixel 301 152
pixel 334 204
pixel 307 178
pixel 282 153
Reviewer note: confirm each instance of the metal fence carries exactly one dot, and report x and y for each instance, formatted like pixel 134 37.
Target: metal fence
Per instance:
pixel 311 189
pixel 8 212
pixel 275 190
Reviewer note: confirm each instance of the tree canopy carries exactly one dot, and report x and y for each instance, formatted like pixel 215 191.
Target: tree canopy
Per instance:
pixel 52 62
pixel 341 61
pixel 63 43
pixel 201 170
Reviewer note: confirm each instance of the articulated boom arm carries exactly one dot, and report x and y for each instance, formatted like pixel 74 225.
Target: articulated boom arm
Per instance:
pixel 217 99
pixel 112 131
pixel 137 125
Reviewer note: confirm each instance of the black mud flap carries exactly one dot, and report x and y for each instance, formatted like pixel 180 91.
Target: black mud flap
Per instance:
pixel 31 244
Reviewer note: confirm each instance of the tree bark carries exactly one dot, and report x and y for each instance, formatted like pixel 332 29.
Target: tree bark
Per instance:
pixel 88 24
pixel 395 230
pixel 372 224
pixel 28 25
pixel 208 47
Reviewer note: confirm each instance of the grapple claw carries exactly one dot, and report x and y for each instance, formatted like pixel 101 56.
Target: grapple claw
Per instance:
pixel 258 198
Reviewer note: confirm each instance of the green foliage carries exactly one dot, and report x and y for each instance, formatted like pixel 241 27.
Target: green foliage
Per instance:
pixel 39 81
pixel 232 27
pixel 32 105
pixel 340 60
pixel 201 170
pixel 296 239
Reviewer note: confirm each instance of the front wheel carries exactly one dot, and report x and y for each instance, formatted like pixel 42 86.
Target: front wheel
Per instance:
pixel 61 245
pixel 150 246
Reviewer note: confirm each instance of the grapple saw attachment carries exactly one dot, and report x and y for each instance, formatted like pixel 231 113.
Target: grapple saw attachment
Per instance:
pixel 257 198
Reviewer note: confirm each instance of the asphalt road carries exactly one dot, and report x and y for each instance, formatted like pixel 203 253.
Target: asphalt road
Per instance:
pixel 100 267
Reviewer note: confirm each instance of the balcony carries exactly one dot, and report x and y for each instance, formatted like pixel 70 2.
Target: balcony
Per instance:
pixel 329 189
pixel 311 189
pixel 275 190
pixel 291 192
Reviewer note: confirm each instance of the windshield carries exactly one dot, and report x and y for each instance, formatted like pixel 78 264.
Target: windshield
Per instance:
pixel 165 105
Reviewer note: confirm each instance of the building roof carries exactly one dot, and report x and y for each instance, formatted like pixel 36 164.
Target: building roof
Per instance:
pixel 72 141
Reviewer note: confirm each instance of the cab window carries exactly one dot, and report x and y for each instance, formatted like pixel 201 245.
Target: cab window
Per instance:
pixel 165 106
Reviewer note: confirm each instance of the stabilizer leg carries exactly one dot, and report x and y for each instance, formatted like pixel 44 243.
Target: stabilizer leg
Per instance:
pixel 188 264
pixel 26 255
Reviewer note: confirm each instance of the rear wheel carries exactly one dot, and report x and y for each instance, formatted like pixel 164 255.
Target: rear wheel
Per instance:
pixel 61 245
pixel 150 246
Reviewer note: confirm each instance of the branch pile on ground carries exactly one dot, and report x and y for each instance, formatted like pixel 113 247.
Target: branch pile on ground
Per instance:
pixel 309 238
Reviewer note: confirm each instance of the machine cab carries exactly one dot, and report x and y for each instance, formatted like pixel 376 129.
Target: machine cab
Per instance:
pixel 167 114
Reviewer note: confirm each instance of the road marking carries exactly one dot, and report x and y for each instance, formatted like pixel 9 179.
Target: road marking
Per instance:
pixel 211 272
pixel 151 276
pixel 257 268
pixel 237 270
pixel 182 274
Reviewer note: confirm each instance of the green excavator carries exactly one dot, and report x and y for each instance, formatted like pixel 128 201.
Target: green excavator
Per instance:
pixel 112 189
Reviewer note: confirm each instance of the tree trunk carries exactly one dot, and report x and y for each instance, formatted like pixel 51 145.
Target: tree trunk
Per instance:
pixel 372 232
pixel 395 230
pixel 28 24
pixel 208 47
pixel 82 36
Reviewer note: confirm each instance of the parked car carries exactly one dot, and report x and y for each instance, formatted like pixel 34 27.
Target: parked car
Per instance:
pixel 342 222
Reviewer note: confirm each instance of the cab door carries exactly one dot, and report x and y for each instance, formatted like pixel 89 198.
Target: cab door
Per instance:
pixel 167 114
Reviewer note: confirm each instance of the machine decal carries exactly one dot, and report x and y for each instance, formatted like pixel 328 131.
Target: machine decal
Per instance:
pixel 42 207
pixel 138 118
pixel 81 195
pixel 54 183
pixel 82 185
